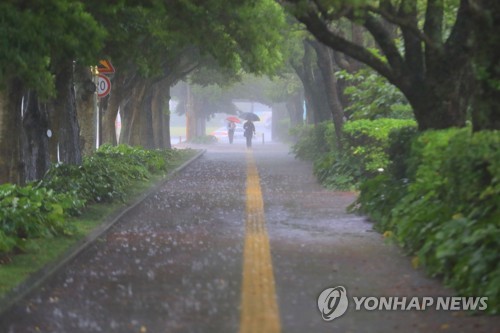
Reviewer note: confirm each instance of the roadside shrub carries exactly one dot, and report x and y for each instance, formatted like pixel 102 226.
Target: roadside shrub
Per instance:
pixel 446 210
pixel 40 209
pixel 105 175
pixel 400 141
pixel 365 150
pixel 29 212
pixel 336 170
pixel 313 141
pixel 367 141
pixel 135 158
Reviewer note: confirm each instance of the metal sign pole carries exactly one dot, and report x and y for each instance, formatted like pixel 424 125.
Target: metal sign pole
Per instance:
pixel 95 73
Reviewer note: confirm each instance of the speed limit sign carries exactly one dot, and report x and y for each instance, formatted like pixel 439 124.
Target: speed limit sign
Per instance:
pixel 103 85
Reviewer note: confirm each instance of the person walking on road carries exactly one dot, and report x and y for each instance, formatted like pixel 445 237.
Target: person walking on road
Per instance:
pixel 249 131
pixel 231 126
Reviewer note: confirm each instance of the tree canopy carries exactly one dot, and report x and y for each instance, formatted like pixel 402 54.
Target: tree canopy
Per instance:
pixel 35 35
pixel 428 48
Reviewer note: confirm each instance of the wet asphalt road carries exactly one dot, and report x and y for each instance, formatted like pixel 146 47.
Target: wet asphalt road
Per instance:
pixel 174 262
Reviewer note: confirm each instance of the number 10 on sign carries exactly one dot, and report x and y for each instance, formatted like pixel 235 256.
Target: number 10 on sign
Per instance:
pixel 103 85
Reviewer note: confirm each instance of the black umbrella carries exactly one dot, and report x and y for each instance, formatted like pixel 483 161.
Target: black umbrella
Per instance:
pixel 249 116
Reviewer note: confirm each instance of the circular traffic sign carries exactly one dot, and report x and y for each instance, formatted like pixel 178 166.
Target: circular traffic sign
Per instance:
pixel 103 85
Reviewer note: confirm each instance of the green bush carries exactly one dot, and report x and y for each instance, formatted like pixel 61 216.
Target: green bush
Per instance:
pixel 29 212
pixel 313 141
pixel 338 171
pixel 367 141
pixel 40 209
pixel 365 150
pixel 105 175
pixel 446 210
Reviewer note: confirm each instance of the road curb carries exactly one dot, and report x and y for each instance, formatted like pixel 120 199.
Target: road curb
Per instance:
pixel 39 277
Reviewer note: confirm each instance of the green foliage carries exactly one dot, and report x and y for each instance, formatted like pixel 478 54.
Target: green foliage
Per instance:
pixel 106 175
pixel 336 170
pixel 371 96
pixel 313 141
pixel 367 142
pixel 446 210
pixel 365 150
pixel 41 209
pixel 33 40
pixel 27 212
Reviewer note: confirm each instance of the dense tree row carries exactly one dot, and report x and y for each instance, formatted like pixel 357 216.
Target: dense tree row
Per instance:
pixel 47 91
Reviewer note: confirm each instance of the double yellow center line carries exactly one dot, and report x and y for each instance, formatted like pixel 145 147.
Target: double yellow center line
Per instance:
pixel 259 309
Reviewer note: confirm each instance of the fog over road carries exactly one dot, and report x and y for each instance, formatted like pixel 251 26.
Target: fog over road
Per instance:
pixel 201 254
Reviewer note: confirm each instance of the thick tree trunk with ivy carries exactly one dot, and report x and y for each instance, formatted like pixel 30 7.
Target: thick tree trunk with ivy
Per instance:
pixel 432 72
pixel 34 140
pixel 65 141
pixel 10 127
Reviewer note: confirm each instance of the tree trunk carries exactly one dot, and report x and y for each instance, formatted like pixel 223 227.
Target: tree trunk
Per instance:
pixel 166 116
pixel 10 127
pixel 195 116
pixel 85 104
pixel 441 101
pixel 161 114
pixel 116 102
pixel 146 135
pixel 191 116
pixel 132 116
pixel 64 120
pixel 486 106
pixel 109 119
pixel 34 140
pixel 314 87
pixel 294 106
pixel 326 65
pixel 126 117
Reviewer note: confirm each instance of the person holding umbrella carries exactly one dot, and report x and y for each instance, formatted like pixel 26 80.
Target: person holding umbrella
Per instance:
pixel 249 131
pixel 231 126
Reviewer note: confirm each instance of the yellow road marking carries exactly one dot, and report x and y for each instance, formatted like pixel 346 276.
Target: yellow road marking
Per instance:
pixel 259 309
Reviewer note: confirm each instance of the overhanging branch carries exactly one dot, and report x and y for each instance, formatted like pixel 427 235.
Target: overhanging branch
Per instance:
pixel 320 30
pixel 403 23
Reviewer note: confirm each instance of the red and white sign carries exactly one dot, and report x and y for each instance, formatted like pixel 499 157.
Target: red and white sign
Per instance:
pixel 105 67
pixel 103 85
